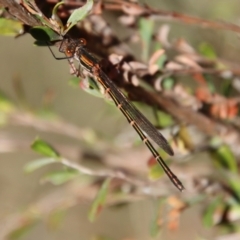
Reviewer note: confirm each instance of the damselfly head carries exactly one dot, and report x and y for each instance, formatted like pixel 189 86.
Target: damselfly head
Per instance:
pixel 83 41
pixel 68 47
pixel 69 52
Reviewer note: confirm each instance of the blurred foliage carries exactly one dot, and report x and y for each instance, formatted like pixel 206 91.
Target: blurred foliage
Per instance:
pixel 10 27
pixel 44 148
pixel 99 201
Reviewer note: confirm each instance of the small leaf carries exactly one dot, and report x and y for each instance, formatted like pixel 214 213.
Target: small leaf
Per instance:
pixel 215 142
pixel 168 83
pixel 164 119
pixel 10 27
pixel 162 59
pixel 78 15
pixel 146 27
pixel 209 217
pixel 60 177
pixel 99 200
pixel 207 50
pixel 56 217
pixel 185 137
pixel 6 107
pixel 44 34
pixel 36 164
pixel 155 171
pixel 226 87
pixel 233 181
pixel 74 81
pixel 156 223
pixel 225 158
pixel 90 86
pixel 44 148
pixel 22 231
pixel 55 16
pixel 210 84
pixel 5 104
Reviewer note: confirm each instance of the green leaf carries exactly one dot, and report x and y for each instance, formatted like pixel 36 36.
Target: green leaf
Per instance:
pixel 155 226
pixel 233 181
pixel 60 177
pixel 209 215
pixel 74 81
pixel 55 16
pixel 215 142
pixel 56 217
pixel 161 60
pixel 10 27
pixel 225 158
pixel 185 137
pixel 22 231
pixel 6 104
pixel 164 119
pixel 168 83
pixel 44 148
pixel 44 34
pixel 6 107
pixel 146 27
pixel 210 83
pixel 36 164
pixel 207 50
pixel 99 201
pixel 78 15
pixel 47 113
pixel 90 86
pixel 155 171
pixel 226 87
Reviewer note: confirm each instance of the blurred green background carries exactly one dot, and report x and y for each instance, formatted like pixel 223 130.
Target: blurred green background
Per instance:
pixel 39 72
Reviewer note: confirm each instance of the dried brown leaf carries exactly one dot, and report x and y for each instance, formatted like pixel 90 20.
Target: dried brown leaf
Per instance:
pixel 183 46
pixel 127 20
pixel 135 80
pixel 152 69
pixel 187 61
pixel 137 65
pixel 115 58
pixel 97 8
pixel 174 215
pixel 174 66
pixel 162 36
pixel 155 56
pixel 133 9
pixel 184 98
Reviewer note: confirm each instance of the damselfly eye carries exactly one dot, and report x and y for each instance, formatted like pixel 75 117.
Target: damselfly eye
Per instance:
pixel 83 41
pixel 68 52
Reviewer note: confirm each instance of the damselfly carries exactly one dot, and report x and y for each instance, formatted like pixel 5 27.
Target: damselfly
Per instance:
pixel 76 48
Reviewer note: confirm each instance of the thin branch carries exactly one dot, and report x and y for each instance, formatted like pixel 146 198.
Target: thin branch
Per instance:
pixel 103 173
